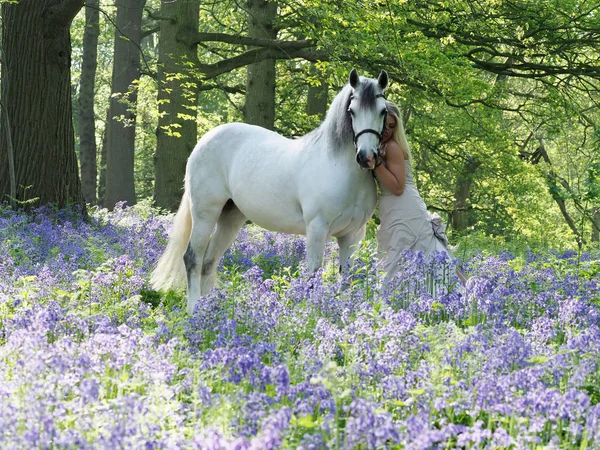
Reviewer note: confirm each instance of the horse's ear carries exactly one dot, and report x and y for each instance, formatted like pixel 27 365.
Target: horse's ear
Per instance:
pixel 353 78
pixel 383 79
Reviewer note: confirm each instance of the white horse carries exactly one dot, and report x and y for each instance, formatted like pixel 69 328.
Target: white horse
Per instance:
pixel 311 185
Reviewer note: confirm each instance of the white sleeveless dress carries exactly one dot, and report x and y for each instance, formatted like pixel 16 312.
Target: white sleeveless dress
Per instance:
pixel 406 224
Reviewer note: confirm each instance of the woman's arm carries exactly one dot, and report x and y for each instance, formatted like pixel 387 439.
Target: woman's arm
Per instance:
pixel 392 174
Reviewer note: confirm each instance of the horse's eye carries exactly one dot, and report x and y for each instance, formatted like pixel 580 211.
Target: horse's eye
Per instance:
pixel 351 112
pixel 384 112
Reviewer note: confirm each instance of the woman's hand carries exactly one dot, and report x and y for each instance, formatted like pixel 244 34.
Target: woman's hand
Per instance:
pixel 382 149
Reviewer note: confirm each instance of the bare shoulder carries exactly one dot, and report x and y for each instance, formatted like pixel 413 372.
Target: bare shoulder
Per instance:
pixel 393 150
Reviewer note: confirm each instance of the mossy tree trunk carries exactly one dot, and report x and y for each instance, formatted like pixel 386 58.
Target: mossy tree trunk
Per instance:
pixel 87 128
pixel 36 94
pixel 176 134
pixel 259 108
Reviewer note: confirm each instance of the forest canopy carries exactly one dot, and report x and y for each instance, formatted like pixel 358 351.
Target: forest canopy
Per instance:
pixel 500 98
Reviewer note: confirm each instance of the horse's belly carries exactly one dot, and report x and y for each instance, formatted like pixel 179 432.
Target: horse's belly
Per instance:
pixel 284 217
pixel 351 220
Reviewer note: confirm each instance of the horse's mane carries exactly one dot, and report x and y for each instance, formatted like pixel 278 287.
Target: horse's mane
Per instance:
pixel 337 126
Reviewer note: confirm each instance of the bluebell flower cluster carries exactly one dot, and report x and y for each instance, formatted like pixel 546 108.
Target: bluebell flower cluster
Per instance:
pixel 276 357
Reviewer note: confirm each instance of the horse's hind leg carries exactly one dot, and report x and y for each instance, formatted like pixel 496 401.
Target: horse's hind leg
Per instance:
pixel 229 223
pixel 204 218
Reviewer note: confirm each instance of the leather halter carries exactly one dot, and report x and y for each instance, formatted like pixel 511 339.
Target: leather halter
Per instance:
pixel 379 134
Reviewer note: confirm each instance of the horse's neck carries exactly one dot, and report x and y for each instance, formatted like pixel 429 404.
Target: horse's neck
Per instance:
pixel 325 146
pixel 347 157
pixel 344 154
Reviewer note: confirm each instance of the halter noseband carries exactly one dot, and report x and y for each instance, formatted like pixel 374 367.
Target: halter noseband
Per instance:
pixel 379 134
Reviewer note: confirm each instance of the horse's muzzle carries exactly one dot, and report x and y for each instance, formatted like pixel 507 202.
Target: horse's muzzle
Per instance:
pixel 366 158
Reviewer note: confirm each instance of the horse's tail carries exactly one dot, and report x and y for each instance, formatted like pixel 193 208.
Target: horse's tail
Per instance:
pixel 170 270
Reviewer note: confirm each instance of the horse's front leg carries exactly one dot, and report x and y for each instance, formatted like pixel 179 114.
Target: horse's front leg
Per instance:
pixel 347 245
pixel 317 233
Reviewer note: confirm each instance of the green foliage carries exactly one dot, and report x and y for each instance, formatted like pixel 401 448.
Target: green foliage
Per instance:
pixel 478 242
pixel 444 61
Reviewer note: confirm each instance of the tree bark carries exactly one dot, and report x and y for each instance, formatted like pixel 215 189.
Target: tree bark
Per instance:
pixel 596 226
pixel 36 87
pixel 10 153
pixel 260 86
pixel 102 177
pixel 120 131
pixel 177 132
pixel 87 128
pixel 317 99
pixel 461 215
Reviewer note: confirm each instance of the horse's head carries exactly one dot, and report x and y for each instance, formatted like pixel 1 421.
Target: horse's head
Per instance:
pixel 368 113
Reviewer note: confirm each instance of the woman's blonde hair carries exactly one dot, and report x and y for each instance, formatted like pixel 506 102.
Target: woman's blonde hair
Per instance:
pixel 399 135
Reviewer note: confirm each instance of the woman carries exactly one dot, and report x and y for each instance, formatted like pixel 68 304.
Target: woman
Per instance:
pixel 405 221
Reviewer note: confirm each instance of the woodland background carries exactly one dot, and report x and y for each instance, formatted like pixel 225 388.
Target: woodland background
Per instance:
pixel 102 102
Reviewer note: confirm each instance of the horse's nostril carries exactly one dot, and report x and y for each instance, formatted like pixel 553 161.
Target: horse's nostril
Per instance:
pixel 362 158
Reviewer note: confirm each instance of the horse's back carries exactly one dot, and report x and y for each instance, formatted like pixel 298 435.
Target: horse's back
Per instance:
pixel 231 137
pixel 255 167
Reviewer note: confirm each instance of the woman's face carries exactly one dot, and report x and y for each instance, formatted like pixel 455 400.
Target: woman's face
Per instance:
pixel 390 125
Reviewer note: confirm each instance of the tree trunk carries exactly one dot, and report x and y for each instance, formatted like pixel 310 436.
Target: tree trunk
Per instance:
pixel 87 128
pixel 10 153
pixel 102 178
pixel 260 85
pixel 36 87
pixel 596 226
pixel 553 185
pixel 560 201
pixel 120 129
pixel 177 132
pixel 317 99
pixel 461 215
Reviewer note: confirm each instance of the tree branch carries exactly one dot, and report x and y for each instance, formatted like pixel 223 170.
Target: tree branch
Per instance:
pixel 149 31
pixel 239 89
pixel 192 38
pixel 257 55
pixel 64 11
pixel 523 59
pixel 534 70
pixel 156 16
